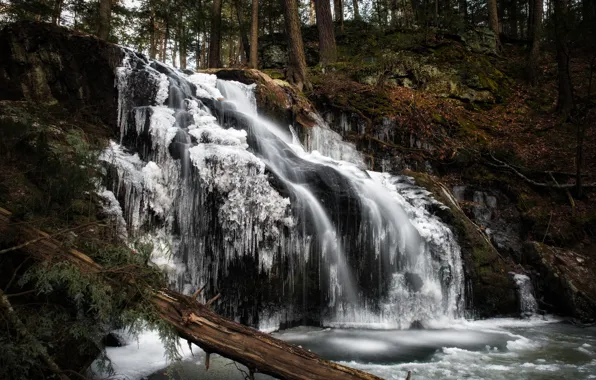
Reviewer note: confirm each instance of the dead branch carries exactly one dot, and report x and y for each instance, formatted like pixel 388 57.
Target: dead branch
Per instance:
pixel 503 164
pixel 47 236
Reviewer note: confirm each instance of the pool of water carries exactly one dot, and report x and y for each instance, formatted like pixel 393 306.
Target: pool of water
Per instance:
pixel 539 348
pixel 492 349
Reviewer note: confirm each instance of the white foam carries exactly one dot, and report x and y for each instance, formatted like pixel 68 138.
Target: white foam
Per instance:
pixel 142 356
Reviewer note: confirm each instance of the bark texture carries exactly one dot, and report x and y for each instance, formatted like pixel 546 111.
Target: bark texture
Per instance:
pixel 215 38
pixel 565 98
pixel 356 10
pixel 197 323
pixel 536 35
pixel 338 10
pixel 105 14
pixel 493 19
pixel 327 47
pixel 254 36
pixel 296 73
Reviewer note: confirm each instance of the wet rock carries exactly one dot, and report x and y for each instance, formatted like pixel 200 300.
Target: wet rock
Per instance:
pixel 113 340
pixel 491 290
pixel 565 280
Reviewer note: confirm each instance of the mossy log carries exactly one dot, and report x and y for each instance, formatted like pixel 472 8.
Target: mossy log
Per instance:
pixel 259 352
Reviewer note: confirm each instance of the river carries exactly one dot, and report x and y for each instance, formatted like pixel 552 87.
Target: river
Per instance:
pixel 495 349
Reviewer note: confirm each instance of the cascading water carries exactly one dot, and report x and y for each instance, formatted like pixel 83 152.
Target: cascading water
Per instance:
pixel 286 234
pixel 527 302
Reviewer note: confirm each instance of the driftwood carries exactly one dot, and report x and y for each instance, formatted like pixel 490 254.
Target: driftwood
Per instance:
pixel 193 321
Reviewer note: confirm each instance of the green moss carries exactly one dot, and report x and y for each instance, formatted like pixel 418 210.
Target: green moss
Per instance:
pixel 493 289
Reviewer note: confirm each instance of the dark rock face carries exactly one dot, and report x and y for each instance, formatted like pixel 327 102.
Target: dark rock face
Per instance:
pixel 50 64
pixel 564 280
pixel 494 212
pixel 490 289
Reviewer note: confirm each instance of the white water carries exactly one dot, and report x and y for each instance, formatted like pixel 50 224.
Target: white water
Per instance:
pixel 204 196
pixel 527 302
pixel 401 231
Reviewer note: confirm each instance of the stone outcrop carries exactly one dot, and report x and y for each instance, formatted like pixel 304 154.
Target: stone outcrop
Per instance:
pixel 564 280
pixel 491 290
pixel 48 64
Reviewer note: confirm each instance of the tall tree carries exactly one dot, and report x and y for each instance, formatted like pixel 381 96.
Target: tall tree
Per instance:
pixel 57 12
pixel 536 35
pixel 182 44
pixel 565 98
pixel 513 18
pixel 105 14
pixel 493 19
pixel 296 73
pixel 215 38
pixel 239 5
pixel 356 10
pixel 338 9
pixel 311 12
pixel 327 48
pixel 254 36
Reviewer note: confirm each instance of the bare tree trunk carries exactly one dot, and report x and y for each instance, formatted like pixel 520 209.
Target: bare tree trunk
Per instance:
pixel 463 11
pixel 215 40
pixel 254 36
pixel 166 37
pixel 327 48
pixel 105 14
pixel 153 37
pixel 565 98
pixel 296 73
pixel 57 12
pixel 579 158
pixel 239 5
pixel 198 52
pixel 356 10
pixel 536 35
pixel 312 12
pixel 338 9
pixel 493 20
pixel 175 52
pixel 205 48
pixel 513 18
pixel 182 46
pixel 393 10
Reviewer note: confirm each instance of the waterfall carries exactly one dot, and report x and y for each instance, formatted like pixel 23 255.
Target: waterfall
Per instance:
pixel 288 233
pixel 527 302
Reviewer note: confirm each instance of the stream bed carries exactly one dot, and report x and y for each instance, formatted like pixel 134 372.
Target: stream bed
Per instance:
pixel 538 348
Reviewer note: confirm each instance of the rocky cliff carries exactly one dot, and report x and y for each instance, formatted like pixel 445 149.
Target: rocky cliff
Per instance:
pixel 53 66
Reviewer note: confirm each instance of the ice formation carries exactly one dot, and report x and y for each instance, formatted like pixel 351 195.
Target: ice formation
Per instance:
pixel 290 231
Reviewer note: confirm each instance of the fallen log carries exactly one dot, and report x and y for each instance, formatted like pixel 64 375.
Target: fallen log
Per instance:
pixel 195 322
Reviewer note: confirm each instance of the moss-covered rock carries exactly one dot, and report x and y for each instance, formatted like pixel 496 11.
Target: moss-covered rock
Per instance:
pixel 491 289
pixel 276 99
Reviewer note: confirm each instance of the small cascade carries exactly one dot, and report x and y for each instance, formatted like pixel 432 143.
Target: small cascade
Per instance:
pixel 527 302
pixel 289 231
